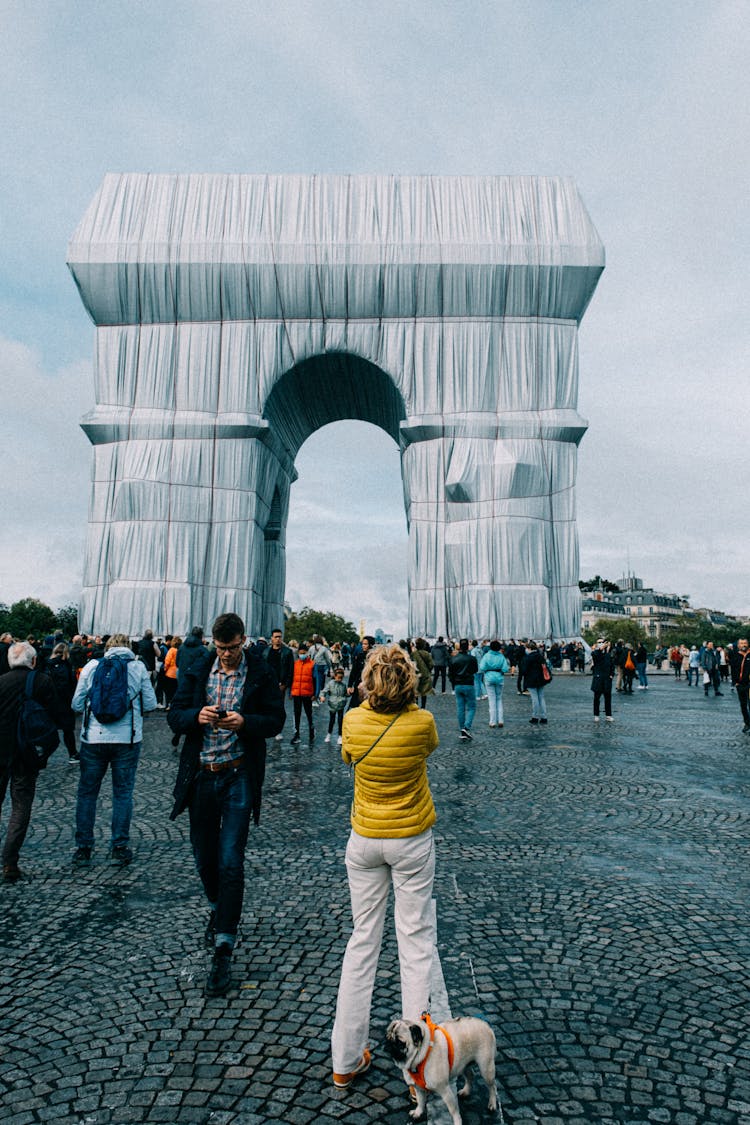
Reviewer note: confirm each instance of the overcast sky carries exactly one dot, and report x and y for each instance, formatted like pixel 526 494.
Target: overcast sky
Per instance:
pixel 643 103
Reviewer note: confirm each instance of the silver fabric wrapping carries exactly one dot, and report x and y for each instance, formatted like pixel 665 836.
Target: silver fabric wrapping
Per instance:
pixel 237 314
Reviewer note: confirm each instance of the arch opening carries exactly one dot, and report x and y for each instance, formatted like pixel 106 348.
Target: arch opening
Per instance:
pixel 332 387
pixel 347 523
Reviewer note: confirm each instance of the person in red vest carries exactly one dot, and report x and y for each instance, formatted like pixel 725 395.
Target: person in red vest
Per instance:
pixel 303 689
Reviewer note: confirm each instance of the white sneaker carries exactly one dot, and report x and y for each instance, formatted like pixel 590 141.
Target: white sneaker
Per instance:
pixel 596 718
pixel 339 740
pixel 327 738
pixel 610 719
pixel 279 737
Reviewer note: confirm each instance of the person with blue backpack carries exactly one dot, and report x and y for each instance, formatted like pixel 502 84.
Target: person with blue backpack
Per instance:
pixel 113 693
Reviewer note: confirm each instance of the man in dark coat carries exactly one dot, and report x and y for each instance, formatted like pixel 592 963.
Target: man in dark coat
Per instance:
pixel 226 707
pixel 739 662
pixel 5 642
pixel 602 674
pixel 19 771
pixel 281 658
pixel 462 669
pixel 359 659
pixel 440 653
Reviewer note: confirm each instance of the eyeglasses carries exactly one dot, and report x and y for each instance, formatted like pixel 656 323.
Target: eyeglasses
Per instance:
pixel 228 648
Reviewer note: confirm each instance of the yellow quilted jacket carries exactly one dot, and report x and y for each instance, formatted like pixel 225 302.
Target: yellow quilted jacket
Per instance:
pixel 391 795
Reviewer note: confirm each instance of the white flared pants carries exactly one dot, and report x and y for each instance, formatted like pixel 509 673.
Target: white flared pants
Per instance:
pixel 372 866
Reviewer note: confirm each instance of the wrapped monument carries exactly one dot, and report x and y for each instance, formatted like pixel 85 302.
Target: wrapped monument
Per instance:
pixel 236 314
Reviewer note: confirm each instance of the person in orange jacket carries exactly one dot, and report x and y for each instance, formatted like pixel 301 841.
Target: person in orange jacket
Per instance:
pixel 303 689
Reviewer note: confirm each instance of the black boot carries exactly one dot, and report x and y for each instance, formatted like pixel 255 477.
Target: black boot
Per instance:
pixel 220 976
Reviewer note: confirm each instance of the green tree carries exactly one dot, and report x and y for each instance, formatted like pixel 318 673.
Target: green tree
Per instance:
pixel 599 583
pixel 67 620
pixel 303 625
pixel 626 630
pixel 28 616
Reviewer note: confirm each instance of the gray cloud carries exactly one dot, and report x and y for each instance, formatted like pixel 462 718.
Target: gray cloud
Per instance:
pixel 644 105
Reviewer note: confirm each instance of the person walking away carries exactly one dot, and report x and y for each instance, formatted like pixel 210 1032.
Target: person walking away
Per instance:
pixel 603 670
pixel 226 707
pixel 628 670
pixel 112 693
pixel 440 656
pixel 461 670
pixel 641 660
pixel 422 660
pixel 740 671
pixel 62 673
pixel 495 667
pixel 387 741
pixel 336 696
pixel 535 680
pixel 710 666
pixel 20 765
pixel 675 659
pixel 170 670
pixel 366 646
pixel 320 655
pixel 694 666
pixel 303 687
pixel 478 652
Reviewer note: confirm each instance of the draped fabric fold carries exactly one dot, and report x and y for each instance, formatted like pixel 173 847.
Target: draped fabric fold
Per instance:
pixel 237 314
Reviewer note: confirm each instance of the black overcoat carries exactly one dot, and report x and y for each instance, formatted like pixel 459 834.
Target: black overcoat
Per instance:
pixel 262 708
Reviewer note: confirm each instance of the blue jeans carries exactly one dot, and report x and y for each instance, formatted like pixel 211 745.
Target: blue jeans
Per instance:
pixel 642 677
pixel 319 678
pixel 466 705
pixel 495 699
pixel 122 758
pixel 538 706
pixel 479 684
pixel 220 810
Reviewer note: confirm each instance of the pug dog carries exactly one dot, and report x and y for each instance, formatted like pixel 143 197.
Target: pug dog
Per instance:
pixel 422 1051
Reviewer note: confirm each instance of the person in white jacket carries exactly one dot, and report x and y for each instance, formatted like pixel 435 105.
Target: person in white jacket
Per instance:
pixel 115 744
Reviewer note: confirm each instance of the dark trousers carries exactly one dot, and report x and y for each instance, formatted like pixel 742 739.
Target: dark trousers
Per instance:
pixel 332 719
pixel 742 694
pixel 220 810
pixel 607 693
pixel 439 670
pixel 22 789
pixel 301 701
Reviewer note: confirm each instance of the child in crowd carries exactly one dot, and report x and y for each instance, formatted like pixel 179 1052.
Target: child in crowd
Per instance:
pixel 337 697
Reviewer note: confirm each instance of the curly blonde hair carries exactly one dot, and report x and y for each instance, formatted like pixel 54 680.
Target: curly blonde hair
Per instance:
pixel 390 679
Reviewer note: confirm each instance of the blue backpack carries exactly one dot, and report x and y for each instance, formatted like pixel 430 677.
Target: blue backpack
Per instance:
pixel 108 696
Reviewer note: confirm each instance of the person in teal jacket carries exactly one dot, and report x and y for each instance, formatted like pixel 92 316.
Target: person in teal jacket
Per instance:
pixel 494 667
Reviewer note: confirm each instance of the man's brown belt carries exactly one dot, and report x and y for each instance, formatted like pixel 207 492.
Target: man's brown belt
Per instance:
pixel 217 767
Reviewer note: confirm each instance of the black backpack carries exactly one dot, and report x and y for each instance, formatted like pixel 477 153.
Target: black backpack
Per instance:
pixel 36 732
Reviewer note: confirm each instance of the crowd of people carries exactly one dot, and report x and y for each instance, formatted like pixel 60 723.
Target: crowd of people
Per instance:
pixel 225 696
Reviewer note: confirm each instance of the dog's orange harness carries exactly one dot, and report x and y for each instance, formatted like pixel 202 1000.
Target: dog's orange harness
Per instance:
pixel 417 1076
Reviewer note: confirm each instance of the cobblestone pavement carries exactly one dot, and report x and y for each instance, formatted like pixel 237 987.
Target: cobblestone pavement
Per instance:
pixel 592 901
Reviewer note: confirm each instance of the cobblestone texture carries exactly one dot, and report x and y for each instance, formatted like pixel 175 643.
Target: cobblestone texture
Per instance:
pixel 592 896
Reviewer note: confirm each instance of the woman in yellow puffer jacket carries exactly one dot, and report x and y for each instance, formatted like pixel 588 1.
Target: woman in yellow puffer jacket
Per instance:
pixel 387 741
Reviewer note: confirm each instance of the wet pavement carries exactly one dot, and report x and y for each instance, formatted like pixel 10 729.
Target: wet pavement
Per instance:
pixel 592 903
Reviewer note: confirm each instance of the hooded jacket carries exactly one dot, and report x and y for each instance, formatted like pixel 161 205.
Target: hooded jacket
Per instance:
pixel 140 695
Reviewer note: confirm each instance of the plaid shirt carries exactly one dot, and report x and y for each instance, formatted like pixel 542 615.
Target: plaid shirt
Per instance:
pixel 223 690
